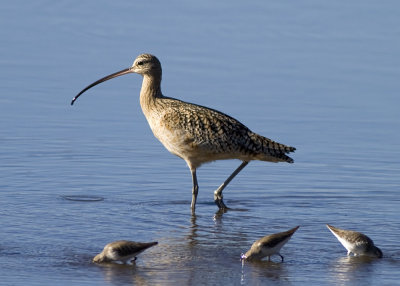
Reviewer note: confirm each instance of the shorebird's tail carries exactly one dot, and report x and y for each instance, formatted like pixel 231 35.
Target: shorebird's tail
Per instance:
pixel 274 149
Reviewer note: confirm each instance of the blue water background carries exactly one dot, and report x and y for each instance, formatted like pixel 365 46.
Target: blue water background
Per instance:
pixel 320 76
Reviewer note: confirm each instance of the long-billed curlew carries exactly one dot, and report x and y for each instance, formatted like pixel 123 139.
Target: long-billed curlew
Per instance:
pixel 196 133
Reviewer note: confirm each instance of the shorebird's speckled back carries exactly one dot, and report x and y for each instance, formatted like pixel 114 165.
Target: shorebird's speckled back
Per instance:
pixel 122 250
pixel 269 245
pixel 355 242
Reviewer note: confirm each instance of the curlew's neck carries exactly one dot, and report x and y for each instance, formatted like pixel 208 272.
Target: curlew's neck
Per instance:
pixel 151 90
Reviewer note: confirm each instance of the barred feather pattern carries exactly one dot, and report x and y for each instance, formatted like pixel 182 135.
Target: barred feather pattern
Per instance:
pixel 203 134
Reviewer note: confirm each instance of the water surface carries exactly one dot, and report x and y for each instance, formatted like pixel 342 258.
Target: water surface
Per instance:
pixel 322 77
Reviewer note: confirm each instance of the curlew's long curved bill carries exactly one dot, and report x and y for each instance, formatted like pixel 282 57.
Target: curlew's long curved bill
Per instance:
pixel 113 75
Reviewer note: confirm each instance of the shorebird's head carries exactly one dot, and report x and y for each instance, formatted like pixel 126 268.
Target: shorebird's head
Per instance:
pixel 254 253
pixel 375 252
pixel 144 64
pixel 99 258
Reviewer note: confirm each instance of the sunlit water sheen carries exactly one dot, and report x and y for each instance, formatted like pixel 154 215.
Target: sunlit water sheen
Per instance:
pixel 323 77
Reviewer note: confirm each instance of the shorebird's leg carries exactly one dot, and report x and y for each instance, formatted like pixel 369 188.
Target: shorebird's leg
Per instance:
pixel 218 193
pixel 195 190
pixel 134 260
pixel 280 256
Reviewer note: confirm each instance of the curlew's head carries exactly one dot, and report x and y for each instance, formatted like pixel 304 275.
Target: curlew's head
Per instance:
pixel 144 64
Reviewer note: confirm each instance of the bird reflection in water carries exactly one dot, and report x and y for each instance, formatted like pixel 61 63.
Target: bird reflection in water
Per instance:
pixel 274 271
pixel 353 268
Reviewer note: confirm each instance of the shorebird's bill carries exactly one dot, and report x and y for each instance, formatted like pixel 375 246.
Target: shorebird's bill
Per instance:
pixel 111 76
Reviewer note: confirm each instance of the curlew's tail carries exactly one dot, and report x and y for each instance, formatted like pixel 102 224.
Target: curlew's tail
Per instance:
pixel 285 157
pixel 287 149
pixel 273 151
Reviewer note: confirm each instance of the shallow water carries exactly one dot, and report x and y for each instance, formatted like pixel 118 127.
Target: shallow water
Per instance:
pixel 322 77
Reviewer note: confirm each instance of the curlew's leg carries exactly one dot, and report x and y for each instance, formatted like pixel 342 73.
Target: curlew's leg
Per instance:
pixel 195 190
pixel 280 256
pixel 218 193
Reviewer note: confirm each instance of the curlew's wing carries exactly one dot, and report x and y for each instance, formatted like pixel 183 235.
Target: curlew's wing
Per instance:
pixel 216 132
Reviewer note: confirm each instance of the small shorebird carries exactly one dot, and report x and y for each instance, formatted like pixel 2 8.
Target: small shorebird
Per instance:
pixel 122 250
pixel 356 242
pixel 196 133
pixel 269 245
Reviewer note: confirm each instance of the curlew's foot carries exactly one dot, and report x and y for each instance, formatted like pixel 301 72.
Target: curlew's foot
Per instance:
pixel 220 203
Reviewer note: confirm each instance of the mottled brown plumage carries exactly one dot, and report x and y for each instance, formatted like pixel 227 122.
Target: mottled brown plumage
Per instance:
pixel 355 242
pixel 122 250
pixel 196 133
pixel 269 245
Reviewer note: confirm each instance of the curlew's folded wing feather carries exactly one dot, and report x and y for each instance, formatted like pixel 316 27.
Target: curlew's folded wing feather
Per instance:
pixel 217 132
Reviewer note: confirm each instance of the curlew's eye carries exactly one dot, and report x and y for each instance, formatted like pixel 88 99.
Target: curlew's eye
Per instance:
pixel 140 63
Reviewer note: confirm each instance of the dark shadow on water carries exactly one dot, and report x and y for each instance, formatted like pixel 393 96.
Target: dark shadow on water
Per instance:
pixel 8 252
pixel 82 198
pixel 220 212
